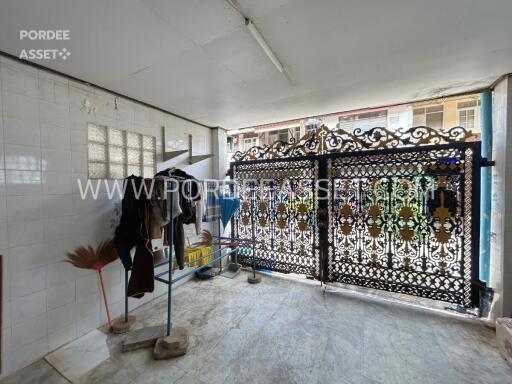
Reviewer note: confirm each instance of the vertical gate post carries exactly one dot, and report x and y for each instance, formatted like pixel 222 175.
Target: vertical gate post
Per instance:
pixel 485 197
pixel 323 216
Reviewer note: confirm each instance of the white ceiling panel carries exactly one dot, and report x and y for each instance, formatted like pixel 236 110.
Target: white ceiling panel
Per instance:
pixel 196 57
pixel 200 20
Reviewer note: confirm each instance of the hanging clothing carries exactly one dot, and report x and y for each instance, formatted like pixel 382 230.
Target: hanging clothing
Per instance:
pixel 132 228
pixel 161 206
pixel 229 205
pixel 189 193
pixel 134 231
pixel 212 208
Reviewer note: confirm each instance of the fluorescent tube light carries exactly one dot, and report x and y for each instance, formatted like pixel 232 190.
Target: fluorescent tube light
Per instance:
pixel 263 44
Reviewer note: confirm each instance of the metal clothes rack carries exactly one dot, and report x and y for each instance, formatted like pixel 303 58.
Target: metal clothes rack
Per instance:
pixel 166 276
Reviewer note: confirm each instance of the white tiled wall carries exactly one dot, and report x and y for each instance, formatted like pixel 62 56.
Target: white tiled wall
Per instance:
pixel 43 151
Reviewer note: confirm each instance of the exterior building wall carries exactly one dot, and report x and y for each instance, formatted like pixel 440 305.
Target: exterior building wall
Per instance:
pixel 400 116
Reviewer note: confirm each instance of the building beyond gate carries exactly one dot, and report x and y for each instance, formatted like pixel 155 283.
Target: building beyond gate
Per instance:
pixel 397 210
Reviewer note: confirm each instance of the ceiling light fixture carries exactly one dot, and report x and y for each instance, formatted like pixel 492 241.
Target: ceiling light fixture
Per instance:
pixel 260 40
pixel 263 44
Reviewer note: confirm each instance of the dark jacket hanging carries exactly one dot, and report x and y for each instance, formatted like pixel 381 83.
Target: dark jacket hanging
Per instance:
pixel 133 231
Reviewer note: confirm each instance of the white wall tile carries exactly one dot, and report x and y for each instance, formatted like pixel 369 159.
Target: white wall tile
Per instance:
pixel 54 160
pixel 116 309
pixel 59 228
pixel 24 207
pixel 61 317
pixel 22 157
pixel 87 313
pixel 57 205
pixel 78 93
pixel 19 80
pixel 56 250
pixel 23 182
pixel 55 137
pixel 6 289
pixel 59 273
pixel 2 182
pixel 25 232
pixel 28 307
pixel 1 120
pixel 54 114
pixel 57 183
pixel 27 354
pixel 3 208
pixel 87 286
pixel 27 282
pixel 6 343
pixel 75 177
pixel 27 332
pixel 21 132
pixel 26 257
pixel 3 235
pixel 79 119
pixel 20 107
pixel 87 324
pixel 79 162
pixel 61 337
pixel 78 140
pixel 60 295
pixel 53 89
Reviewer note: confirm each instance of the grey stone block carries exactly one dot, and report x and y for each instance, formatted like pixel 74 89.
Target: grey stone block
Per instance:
pixel 174 345
pixel 142 338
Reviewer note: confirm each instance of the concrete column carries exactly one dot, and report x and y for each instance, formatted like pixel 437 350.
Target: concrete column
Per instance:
pixel 219 149
pixel 501 202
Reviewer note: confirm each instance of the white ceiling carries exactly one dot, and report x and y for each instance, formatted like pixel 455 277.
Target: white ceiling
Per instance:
pixel 197 59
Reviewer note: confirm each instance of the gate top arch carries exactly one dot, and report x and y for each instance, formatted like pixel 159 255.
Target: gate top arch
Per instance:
pixel 325 140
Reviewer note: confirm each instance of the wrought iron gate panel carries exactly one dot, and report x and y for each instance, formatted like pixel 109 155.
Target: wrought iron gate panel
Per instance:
pixel 402 221
pixel 401 210
pixel 278 202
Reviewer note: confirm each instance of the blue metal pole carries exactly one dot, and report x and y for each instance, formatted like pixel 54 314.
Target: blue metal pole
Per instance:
pixel 485 196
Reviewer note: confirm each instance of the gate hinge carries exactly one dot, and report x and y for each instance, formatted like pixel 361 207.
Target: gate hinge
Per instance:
pixel 487 163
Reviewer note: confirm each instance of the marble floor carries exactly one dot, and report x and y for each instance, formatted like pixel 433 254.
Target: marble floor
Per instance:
pixel 283 331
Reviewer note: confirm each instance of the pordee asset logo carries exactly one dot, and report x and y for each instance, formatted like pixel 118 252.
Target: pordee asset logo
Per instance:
pixel 45 35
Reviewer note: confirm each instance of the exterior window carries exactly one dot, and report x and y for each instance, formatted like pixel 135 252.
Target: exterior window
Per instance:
pixel 429 116
pixel 116 154
pixel 363 121
pixel 311 125
pixel 297 133
pixel 282 135
pixel 467 114
pixel 250 142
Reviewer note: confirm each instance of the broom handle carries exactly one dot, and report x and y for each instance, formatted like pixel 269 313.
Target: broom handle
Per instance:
pixel 100 276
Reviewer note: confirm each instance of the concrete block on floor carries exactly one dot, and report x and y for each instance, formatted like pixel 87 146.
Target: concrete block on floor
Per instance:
pixel 174 345
pixel 143 338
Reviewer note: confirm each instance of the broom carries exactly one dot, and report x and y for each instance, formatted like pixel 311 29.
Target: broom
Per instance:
pixel 95 259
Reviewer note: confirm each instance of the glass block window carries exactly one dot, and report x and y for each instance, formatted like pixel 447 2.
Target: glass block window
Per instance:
pixel 116 154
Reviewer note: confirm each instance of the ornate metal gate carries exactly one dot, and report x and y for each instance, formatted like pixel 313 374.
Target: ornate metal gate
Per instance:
pixel 397 211
pixel 278 207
